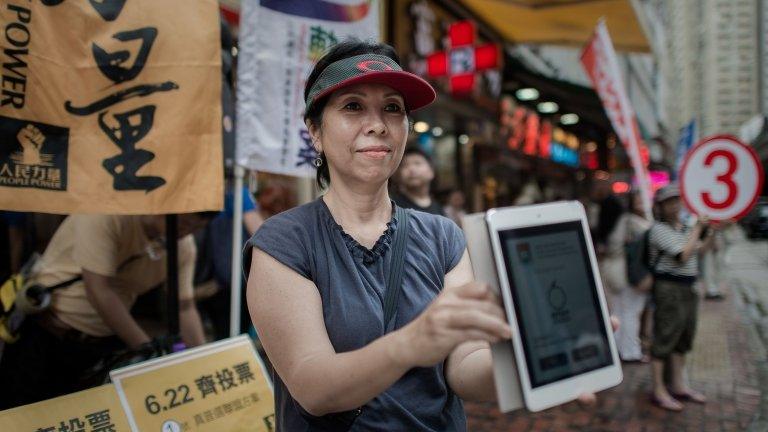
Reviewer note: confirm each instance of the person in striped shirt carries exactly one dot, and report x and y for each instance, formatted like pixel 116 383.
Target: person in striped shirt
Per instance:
pixel 673 254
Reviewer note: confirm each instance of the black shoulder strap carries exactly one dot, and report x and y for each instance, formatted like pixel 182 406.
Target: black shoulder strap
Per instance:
pixel 661 251
pixel 78 278
pixel 395 280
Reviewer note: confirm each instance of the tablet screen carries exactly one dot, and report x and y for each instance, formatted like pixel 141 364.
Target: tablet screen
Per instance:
pixel 556 302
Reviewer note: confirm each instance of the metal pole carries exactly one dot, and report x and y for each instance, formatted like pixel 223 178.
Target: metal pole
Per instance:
pixel 237 242
pixel 172 269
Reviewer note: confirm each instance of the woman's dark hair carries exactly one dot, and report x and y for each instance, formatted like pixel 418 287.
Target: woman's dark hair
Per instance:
pixel 348 48
pixel 610 212
pixel 412 150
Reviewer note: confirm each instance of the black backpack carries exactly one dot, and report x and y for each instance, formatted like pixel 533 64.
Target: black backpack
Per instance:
pixel 639 268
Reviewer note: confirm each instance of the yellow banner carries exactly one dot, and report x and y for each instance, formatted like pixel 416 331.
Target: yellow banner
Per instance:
pixel 217 387
pixel 110 106
pixel 93 409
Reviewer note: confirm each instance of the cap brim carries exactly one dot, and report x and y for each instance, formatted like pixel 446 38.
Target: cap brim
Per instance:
pixel 665 197
pixel 417 93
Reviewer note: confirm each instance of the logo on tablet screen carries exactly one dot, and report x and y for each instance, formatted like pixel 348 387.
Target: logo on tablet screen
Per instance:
pixel 558 300
pixel 524 252
pixel 557 297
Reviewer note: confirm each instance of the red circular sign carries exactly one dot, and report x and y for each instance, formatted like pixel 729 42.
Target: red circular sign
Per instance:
pixel 721 178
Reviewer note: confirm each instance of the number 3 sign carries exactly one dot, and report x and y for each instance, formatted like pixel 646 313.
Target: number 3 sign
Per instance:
pixel 721 178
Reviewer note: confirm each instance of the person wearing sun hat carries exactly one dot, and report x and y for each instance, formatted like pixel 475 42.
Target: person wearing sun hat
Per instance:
pixel 673 249
pixel 318 272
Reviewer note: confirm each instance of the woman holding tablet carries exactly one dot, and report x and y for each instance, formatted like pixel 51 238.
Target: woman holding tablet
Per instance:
pixel 353 348
pixel 320 271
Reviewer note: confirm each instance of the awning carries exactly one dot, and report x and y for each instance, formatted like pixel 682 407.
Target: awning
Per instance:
pixel 562 22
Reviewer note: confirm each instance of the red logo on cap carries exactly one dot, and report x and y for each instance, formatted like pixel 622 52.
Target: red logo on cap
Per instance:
pixel 373 66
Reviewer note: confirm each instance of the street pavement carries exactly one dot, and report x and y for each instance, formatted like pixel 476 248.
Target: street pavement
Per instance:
pixel 728 363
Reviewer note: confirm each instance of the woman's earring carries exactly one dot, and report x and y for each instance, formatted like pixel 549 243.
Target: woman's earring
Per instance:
pixel 318 162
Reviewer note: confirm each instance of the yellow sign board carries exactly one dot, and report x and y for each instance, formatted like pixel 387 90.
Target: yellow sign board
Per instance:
pixel 93 409
pixel 221 386
pixel 111 107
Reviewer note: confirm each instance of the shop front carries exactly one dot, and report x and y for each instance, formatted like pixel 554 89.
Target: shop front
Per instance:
pixel 462 59
pixel 504 134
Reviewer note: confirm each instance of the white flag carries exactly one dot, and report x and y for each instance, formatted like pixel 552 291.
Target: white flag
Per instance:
pixel 280 41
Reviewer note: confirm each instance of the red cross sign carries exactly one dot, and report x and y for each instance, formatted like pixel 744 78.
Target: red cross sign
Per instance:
pixel 463 58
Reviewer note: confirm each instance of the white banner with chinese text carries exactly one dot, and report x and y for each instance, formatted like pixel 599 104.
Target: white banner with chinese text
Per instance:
pixel 280 41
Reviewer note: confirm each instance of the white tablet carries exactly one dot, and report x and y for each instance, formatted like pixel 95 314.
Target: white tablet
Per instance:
pixel 550 284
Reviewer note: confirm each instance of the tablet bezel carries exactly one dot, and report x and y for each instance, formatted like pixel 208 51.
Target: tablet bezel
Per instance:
pixel 567 389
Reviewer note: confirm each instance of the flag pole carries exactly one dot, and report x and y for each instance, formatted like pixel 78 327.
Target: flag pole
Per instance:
pixel 236 289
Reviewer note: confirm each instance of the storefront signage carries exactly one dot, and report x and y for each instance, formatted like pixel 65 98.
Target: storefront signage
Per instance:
pixel 96 409
pixel 216 387
pixel 523 130
pixel 423 23
pixel 564 155
pixel 462 59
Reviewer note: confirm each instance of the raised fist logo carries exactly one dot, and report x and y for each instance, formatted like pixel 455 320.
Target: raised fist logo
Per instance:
pixel 31 140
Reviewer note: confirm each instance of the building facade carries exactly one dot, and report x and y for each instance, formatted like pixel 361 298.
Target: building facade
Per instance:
pixel 711 62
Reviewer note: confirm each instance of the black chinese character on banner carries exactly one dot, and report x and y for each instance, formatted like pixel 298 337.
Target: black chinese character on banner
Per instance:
pixel 111 63
pixel 244 373
pixel 74 425
pixel 206 385
pixel 269 422
pixel 108 9
pixel 132 127
pixel 104 103
pixel 100 422
pixel 307 153
pixel 226 379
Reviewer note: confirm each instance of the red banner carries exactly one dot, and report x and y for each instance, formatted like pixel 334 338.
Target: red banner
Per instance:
pixel 599 60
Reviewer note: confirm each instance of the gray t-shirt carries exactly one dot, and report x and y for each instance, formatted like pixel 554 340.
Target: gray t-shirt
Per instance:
pixel 351 281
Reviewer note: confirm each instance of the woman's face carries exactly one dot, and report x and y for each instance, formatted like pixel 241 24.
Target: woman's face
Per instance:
pixel 363 133
pixel 670 209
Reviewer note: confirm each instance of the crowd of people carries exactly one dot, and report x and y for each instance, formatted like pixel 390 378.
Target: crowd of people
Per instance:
pixel 318 274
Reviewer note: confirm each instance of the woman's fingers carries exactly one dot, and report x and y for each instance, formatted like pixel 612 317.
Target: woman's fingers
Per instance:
pixel 473 290
pixel 485 306
pixel 587 400
pixel 477 320
pixel 615 323
pixel 476 335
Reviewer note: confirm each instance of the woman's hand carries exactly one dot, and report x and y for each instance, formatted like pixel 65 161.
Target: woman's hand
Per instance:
pixel 459 314
pixel 703 221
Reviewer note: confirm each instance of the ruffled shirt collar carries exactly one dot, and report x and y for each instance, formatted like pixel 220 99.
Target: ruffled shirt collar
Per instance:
pixel 367 256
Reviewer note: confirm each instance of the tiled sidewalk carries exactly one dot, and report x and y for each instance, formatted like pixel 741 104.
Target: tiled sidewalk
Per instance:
pixel 723 365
